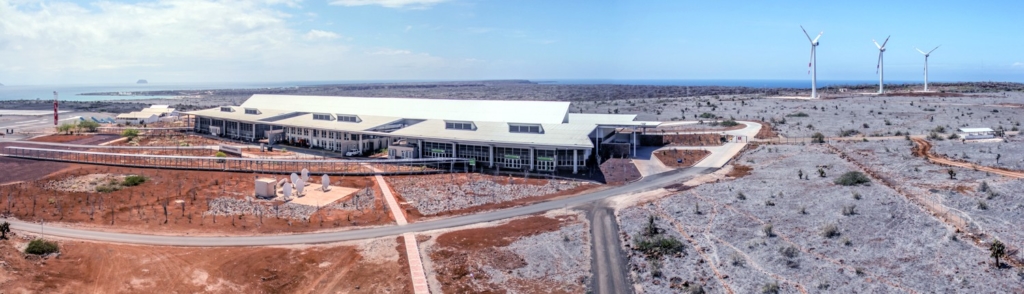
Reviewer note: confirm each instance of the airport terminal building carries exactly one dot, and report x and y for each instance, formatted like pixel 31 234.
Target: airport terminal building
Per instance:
pixel 519 135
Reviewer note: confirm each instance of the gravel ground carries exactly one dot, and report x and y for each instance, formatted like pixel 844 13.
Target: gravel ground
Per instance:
pixel 834 115
pixel 250 206
pixel 432 195
pixel 888 245
pixel 962 196
pixel 86 183
pixel 1010 152
pixel 562 256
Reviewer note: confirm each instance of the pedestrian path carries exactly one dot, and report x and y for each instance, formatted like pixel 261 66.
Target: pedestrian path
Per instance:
pixel 412 249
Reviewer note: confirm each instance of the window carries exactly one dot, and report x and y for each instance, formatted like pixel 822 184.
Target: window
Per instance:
pixel 252 111
pixel 458 125
pixel 321 116
pixel 348 118
pixel 521 128
pixel 226 109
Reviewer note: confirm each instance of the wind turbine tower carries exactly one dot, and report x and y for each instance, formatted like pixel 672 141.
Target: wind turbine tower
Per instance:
pixel 813 65
pixel 880 68
pixel 926 65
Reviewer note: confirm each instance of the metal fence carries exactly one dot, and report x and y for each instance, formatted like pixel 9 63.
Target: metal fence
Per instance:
pixel 257 165
pixel 147 131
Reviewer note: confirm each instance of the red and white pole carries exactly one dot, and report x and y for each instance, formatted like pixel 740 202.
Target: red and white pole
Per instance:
pixel 55 108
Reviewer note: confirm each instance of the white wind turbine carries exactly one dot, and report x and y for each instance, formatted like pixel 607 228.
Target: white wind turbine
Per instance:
pixel 926 65
pixel 813 65
pixel 880 68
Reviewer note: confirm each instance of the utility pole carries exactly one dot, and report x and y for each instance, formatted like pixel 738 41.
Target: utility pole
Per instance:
pixel 55 108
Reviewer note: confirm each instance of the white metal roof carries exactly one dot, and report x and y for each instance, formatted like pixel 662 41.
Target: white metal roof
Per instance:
pixel 238 113
pixel 609 119
pixel 975 130
pixel 561 135
pixel 544 112
pixel 136 114
pixel 366 122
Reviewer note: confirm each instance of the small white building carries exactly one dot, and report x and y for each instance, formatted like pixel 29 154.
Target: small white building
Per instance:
pixel 136 118
pixel 976 133
pixel 163 112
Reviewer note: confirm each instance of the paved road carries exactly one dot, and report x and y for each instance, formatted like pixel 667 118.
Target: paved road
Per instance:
pixel 646 184
pixel 608 262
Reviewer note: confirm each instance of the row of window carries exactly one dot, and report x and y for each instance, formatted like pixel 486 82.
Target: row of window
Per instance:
pixel 454 125
pixel 519 128
pixel 321 116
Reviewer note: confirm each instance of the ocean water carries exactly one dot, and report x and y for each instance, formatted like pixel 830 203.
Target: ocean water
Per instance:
pixel 71 92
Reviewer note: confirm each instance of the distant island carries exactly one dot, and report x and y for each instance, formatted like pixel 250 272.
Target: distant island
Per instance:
pixel 142 82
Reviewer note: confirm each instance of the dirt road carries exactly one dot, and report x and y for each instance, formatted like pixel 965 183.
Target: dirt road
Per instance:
pixel 924 149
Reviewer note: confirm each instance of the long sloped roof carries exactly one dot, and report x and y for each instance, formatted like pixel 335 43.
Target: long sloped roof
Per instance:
pixel 541 112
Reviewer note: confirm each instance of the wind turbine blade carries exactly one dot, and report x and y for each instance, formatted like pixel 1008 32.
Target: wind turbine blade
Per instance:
pixel 819 37
pixel 876 44
pixel 879 66
pixel 933 50
pixel 805 34
pixel 809 61
pixel 886 41
pixel 922 52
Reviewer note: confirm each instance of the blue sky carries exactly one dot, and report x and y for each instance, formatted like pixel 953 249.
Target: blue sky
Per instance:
pixel 47 42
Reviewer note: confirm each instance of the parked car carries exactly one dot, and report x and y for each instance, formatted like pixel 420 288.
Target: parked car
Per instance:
pixel 353 152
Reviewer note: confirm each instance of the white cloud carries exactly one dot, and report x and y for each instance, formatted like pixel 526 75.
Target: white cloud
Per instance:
pixel 1017 64
pixel 416 4
pixel 389 51
pixel 185 41
pixel 320 35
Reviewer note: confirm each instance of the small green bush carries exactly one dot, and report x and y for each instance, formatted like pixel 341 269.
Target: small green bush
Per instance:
pixel 830 231
pixel 89 125
pixel 658 246
pixel 41 247
pixel 131 181
pixel 852 178
pixel 729 123
pixel 130 133
pixel 848 133
pixel 818 138
pixel 220 154
pixel 107 188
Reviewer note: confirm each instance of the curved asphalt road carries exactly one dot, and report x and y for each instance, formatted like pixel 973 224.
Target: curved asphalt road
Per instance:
pixel 648 183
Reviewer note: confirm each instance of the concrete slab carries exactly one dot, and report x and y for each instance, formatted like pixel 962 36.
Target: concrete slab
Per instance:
pixel 314 196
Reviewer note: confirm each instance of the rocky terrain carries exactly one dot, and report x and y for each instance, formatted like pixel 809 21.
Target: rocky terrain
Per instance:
pixel 785 228
pixel 440 193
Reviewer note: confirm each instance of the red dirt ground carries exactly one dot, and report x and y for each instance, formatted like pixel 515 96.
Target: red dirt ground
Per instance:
pixel 739 170
pixel 689 157
pixel 88 139
pixel 177 140
pixel 618 171
pixel 414 215
pixel 140 209
pixel 766 131
pixel 15 169
pixel 694 128
pixel 86 267
pixel 458 254
pixel 694 140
